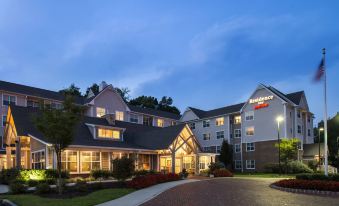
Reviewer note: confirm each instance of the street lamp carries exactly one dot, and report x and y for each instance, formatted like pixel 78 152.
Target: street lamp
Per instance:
pixel 279 119
pixel 319 130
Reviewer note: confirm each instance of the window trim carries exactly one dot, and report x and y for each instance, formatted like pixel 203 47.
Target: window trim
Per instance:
pixel 235 148
pixel 235 133
pixel 109 138
pixel 216 134
pixel 120 112
pixel 205 121
pixel 235 117
pixel 2 120
pixel 246 115
pixel 137 118
pixel 250 168
pixel 247 150
pixel 250 135
pixel 216 121
pixel 16 98
pixel 190 125
pixel 80 162
pixel 32 162
pixel 299 126
pixel 162 122
pixel 209 136
pixel 235 164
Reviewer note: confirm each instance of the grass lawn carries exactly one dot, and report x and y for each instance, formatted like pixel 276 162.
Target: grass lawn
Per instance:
pixel 264 175
pixel 93 198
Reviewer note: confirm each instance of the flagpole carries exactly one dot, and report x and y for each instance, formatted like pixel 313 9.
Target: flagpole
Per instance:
pixel 325 116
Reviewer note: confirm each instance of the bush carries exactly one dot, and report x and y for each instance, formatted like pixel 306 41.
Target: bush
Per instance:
pixel 205 172
pixel 183 174
pixel 32 183
pixel 17 187
pixel 151 179
pixel 8 175
pixel 33 174
pixel 81 187
pixel 43 188
pixel 103 174
pixel 309 184
pixel 317 176
pixel 313 165
pixel 138 173
pixel 53 174
pixel 214 166
pixel 293 167
pixel 123 168
pixel 222 173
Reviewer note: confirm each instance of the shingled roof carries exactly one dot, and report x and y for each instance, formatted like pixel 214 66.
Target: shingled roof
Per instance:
pixel 217 112
pixel 154 112
pixel 136 136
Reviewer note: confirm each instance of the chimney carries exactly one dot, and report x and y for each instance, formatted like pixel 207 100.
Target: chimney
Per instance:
pixel 102 86
pixel 110 118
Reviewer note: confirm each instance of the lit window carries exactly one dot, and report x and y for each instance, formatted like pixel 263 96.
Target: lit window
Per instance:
pixel 119 116
pixel 4 119
pixel 133 118
pixel 206 136
pixel 108 133
pixel 101 111
pixel 219 121
pixel 237 120
pixel 250 164
pixel 237 148
pixel 8 99
pixel 192 125
pixel 220 135
pixel 69 161
pixel 89 161
pixel 237 133
pixel 206 123
pixel 160 123
pixel 38 160
pixel 237 164
pixel 250 147
pixel 249 131
pixel 249 116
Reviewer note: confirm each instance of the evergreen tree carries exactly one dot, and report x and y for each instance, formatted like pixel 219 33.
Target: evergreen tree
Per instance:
pixel 226 154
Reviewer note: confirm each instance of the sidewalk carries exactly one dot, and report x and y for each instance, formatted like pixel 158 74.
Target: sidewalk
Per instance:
pixel 140 196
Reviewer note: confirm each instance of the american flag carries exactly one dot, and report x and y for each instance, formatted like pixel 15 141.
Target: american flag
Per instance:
pixel 320 71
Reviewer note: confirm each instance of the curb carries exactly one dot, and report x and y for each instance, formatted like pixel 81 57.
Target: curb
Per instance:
pixel 303 191
pixel 8 202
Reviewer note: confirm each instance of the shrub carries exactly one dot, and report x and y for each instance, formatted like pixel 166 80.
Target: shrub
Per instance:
pixel 17 187
pixel 32 183
pixel 8 175
pixel 151 179
pixel 43 188
pixel 81 187
pixel 313 165
pixel 33 174
pixel 214 166
pixel 205 172
pixel 183 174
pixel 104 174
pixel 318 176
pixel 50 181
pixel 292 167
pixel 222 173
pixel 309 184
pixel 123 168
pixel 52 173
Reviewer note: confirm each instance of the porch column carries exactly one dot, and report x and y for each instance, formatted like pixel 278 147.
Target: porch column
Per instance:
pixel 18 153
pixel 9 157
pixel 173 162
pixel 197 164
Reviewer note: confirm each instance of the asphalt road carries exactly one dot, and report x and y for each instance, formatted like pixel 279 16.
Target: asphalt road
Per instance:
pixel 236 191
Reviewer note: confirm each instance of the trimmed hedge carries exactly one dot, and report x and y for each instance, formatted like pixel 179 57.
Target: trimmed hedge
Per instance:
pixel 222 173
pixel 103 174
pixel 317 176
pixel 151 179
pixel 309 184
pixel 293 167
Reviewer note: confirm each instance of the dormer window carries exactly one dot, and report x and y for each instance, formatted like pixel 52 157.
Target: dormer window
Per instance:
pixel 100 111
pixel 109 133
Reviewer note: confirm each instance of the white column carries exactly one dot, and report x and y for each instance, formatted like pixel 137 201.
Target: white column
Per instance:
pixel 295 132
pixel 46 158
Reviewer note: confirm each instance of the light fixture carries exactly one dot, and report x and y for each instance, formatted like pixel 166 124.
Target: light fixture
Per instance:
pixel 279 118
pixel 321 129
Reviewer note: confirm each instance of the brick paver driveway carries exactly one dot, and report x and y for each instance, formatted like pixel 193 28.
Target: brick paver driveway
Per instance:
pixel 235 191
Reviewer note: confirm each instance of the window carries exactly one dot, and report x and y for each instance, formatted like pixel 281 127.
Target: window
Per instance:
pixel 237 133
pixel 249 116
pixel 38 160
pixel 250 147
pixel 249 131
pixel 309 132
pixel 56 105
pixel 119 115
pixel 4 119
pixel 32 103
pixel 299 129
pixel 220 135
pixel 219 121
pixel 187 162
pixel 206 123
pixel 109 133
pixel 133 118
pixel 298 114
pixel 8 99
pixel 100 111
pixel 218 149
pixel 250 164
pixel 237 119
pixel 160 123
pixel 237 164
pixel 69 161
pixel 204 162
pixel 237 148
pixel 308 118
pixel 89 161
pixel 173 123
pixel 192 125
pixel 206 136
pixel 147 120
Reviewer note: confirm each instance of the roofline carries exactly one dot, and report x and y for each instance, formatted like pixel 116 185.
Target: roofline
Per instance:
pixel 155 115
pixel 213 116
pixel 117 148
pixel 48 144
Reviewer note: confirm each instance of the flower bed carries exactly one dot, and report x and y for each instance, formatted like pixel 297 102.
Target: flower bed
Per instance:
pixel 309 184
pixel 222 173
pixel 151 179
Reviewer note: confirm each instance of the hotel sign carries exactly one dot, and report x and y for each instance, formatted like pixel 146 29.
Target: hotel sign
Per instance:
pixel 260 101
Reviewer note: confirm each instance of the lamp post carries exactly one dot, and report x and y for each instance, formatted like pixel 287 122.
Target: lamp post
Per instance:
pixel 319 130
pixel 279 119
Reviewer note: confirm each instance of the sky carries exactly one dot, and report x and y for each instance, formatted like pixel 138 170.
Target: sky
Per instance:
pixel 204 54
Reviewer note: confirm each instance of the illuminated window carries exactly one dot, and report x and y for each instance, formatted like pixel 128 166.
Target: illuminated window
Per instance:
pixel 206 123
pixel 89 161
pixel 38 160
pixel 249 116
pixel 237 148
pixel 237 120
pixel 160 123
pixel 237 164
pixel 192 125
pixel 108 133
pixel 237 133
pixel 250 147
pixel 133 118
pixel 101 111
pixel 219 121
pixel 220 135
pixel 206 136
pixel 249 131
pixel 250 164
pixel 8 99
pixel 119 115
pixel 69 161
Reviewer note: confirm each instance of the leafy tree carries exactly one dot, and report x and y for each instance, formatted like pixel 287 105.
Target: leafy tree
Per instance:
pixel 123 168
pixel 124 93
pixel 226 154
pixel 58 127
pixel 71 90
pixel 288 150
pixel 165 104
pixel 94 88
pixel 145 102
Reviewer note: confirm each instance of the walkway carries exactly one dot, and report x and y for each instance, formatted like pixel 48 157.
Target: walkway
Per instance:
pixel 235 191
pixel 141 196
pixel 4 189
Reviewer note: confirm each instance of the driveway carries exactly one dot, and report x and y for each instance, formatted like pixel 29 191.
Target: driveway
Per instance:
pixel 235 191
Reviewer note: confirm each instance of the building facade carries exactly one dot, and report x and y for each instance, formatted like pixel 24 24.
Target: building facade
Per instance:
pixel 251 127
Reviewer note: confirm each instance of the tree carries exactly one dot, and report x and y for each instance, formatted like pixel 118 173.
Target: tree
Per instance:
pixel 226 154
pixel 124 93
pixel 145 102
pixel 94 88
pixel 71 90
pixel 123 168
pixel 165 104
pixel 58 127
pixel 288 150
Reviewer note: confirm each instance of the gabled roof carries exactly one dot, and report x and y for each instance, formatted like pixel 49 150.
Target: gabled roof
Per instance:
pixel 136 136
pixel 217 112
pixel 154 112
pixel 295 97
pixel 36 92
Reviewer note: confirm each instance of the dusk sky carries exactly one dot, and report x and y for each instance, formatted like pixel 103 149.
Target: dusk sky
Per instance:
pixel 205 54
